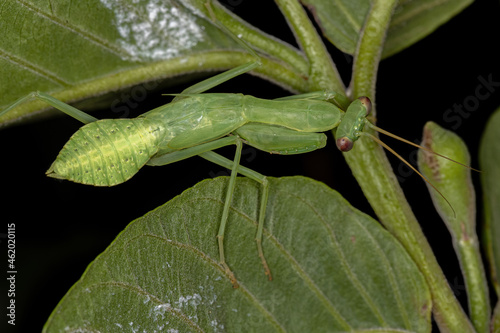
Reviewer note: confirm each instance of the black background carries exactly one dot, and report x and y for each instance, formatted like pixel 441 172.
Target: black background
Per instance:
pixel 61 227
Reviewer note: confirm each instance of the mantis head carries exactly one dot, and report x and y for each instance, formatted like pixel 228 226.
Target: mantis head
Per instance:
pixel 352 124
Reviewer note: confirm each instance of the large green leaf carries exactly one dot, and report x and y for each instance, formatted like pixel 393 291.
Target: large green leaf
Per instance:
pixel 489 159
pixel 77 50
pixel 335 269
pixel 342 21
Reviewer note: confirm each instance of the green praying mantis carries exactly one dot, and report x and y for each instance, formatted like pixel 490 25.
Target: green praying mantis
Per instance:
pixel 108 152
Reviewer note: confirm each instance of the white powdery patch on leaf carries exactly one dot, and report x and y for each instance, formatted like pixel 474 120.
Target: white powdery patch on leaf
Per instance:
pixel 151 30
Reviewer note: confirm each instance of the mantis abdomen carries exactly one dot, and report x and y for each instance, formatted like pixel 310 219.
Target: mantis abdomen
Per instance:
pixel 107 152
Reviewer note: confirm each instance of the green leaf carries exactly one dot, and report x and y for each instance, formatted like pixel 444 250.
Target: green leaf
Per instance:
pixel 335 269
pixel 489 160
pixel 342 21
pixel 77 50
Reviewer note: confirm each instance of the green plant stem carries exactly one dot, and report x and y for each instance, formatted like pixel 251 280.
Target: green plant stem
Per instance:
pixel 374 174
pixel 322 71
pixel 475 280
pixel 370 46
pixel 260 40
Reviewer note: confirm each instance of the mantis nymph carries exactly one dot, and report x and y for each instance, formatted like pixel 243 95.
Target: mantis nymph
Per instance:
pixel 110 151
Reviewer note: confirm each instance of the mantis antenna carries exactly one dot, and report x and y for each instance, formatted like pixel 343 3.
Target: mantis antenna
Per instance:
pixel 380 142
pixel 394 136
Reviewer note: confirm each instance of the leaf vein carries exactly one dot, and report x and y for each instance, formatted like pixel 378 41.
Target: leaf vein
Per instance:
pixel 317 291
pixel 93 38
pixel 392 277
pixel 153 298
pixel 17 61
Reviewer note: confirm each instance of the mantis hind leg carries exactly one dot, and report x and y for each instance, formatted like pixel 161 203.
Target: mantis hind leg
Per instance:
pixel 225 212
pixel 222 161
pixel 205 151
pixel 54 102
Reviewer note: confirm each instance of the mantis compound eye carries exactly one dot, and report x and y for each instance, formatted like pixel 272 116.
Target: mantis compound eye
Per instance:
pixel 344 144
pixel 367 104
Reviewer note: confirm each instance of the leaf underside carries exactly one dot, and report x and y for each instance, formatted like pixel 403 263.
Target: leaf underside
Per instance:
pixel 335 269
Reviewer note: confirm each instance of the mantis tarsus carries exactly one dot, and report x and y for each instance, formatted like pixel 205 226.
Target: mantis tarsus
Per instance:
pixel 110 151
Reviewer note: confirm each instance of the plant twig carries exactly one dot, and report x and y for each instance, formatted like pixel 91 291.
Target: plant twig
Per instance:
pixel 374 174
